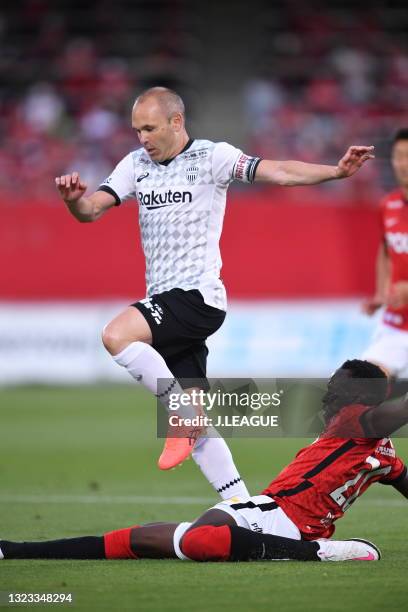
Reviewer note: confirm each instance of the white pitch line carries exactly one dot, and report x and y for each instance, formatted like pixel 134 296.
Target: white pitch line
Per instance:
pixel 145 499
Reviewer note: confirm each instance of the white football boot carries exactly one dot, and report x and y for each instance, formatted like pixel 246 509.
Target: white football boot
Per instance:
pixel 348 550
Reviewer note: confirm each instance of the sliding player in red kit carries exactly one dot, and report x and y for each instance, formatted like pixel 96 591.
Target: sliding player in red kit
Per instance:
pixel 295 514
pixel 326 477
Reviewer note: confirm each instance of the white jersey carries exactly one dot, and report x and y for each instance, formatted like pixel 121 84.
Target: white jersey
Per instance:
pixel 181 212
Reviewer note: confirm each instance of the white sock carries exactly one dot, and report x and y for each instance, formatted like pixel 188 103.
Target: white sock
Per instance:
pixel 212 455
pixel 1 554
pixel 214 459
pixel 148 367
pixel 178 534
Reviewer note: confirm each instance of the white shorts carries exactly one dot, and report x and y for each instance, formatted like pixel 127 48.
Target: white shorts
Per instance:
pixel 390 349
pixel 258 513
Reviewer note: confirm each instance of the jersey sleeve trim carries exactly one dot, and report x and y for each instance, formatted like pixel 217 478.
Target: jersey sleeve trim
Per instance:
pixel 397 479
pixel 113 193
pixel 257 162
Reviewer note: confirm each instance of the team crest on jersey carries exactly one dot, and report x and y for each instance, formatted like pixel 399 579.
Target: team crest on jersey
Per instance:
pixel 192 174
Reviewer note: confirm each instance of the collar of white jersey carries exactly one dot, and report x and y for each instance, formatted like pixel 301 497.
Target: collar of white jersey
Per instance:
pixel 186 146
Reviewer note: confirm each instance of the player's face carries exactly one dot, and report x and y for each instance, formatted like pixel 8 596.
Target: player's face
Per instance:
pixel 338 381
pixel 157 133
pixel 399 160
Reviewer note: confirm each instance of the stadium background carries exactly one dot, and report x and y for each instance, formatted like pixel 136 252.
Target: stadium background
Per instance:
pixel 297 81
pixel 283 79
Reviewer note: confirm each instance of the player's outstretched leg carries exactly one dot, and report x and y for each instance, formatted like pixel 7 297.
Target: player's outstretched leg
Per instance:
pixel 202 543
pixel 88 547
pixel 154 540
pixel 128 339
pixel 215 536
pixel 214 458
pixel 233 543
pixel 147 366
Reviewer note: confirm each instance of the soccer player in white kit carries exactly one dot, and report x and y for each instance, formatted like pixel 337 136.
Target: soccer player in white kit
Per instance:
pixel 180 185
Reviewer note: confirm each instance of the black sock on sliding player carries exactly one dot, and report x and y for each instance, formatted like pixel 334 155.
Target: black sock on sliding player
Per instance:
pixel 249 545
pixel 88 547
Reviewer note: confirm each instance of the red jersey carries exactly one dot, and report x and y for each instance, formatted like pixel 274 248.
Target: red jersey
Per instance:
pixel 326 477
pixel 394 228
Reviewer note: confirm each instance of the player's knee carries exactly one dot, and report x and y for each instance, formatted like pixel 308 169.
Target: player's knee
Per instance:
pixel 113 339
pixel 145 541
pixel 207 543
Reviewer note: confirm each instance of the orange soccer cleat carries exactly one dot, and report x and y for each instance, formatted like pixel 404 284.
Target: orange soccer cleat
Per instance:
pixel 179 445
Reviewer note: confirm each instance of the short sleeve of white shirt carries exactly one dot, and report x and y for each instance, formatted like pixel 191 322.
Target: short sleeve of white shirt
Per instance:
pixel 121 182
pixel 230 163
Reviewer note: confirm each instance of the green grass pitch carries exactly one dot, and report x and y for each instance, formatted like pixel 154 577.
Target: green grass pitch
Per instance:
pixel 79 461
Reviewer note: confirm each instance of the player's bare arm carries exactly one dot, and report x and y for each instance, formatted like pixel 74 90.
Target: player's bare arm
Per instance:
pixel 383 420
pixel 86 209
pixel 402 486
pixel 383 271
pixel 293 173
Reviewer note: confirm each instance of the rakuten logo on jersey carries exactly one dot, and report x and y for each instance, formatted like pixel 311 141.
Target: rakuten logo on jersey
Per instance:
pixel 152 199
pixel 397 241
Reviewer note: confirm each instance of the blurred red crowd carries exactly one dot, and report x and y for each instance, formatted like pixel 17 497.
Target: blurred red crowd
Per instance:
pixel 65 99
